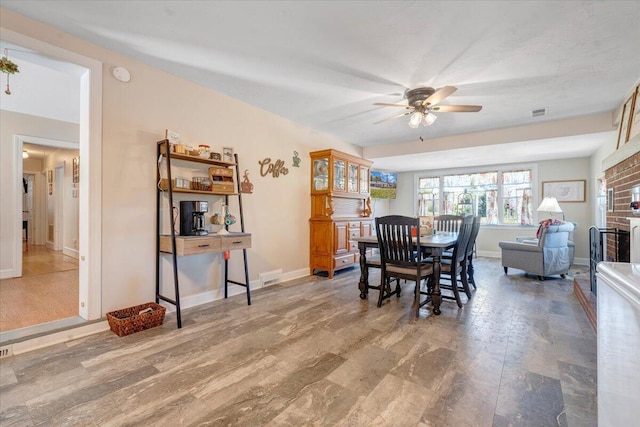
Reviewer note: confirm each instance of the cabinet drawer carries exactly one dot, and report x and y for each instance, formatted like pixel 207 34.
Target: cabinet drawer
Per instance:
pixel 353 246
pixel 186 245
pixel 231 242
pixel 354 224
pixel 354 233
pixel 222 187
pixel 344 260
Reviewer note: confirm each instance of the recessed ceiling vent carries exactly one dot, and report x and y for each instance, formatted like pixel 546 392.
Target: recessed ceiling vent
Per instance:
pixel 539 112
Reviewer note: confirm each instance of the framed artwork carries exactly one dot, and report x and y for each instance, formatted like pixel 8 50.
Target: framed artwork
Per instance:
pixel 49 176
pixel 623 128
pixel 565 191
pixel 610 200
pixel 634 118
pixel 172 136
pixel 76 170
pixel 227 154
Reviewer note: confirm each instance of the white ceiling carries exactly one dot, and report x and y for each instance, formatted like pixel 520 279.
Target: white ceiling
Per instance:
pixel 323 64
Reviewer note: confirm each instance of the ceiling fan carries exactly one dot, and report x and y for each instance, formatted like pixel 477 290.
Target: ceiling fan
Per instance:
pixel 421 103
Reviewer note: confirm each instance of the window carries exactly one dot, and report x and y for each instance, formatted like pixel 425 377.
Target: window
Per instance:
pixel 498 197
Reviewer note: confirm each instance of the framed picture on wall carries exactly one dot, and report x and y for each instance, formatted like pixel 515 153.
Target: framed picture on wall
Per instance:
pixel 623 128
pixel 634 119
pixel 565 191
pixel 227 154
pixel 76 170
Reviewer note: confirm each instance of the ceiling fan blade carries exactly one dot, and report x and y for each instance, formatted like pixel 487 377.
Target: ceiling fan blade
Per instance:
pixel 439 95
pixel 457 108
pixel 394 117
pixel 391 105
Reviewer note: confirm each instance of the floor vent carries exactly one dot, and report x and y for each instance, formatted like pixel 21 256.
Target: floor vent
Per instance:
pixel 270 277
pixel 539 112
pixel 6 351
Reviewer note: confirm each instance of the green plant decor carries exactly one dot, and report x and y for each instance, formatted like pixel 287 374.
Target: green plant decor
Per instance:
pixel 7 66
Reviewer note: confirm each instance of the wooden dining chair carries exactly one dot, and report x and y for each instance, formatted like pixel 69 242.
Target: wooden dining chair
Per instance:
pixel 447 223
pixel 475 229
pixel 456 266
pixel 398 255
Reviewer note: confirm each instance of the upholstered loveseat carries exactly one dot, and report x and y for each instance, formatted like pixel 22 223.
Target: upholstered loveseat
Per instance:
pixel 551 253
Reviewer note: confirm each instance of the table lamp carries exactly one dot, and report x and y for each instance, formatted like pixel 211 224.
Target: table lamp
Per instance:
pixel 550 204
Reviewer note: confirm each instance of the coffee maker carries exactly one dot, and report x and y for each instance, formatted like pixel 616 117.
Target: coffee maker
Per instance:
pixel 192 218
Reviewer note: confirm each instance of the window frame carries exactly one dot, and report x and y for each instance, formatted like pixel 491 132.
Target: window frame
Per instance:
pixel 500 169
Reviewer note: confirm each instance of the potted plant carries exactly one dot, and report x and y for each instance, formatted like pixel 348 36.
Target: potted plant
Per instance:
pixel 8 67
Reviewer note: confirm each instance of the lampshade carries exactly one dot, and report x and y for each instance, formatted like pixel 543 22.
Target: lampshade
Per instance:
pixel 429 118
pixel 550 204
pixel 25 154
pixel 415 120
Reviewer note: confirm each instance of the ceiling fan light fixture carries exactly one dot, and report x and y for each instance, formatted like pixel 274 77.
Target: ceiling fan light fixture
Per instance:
pixel 429 118
pixel 415 119
pixel 25 154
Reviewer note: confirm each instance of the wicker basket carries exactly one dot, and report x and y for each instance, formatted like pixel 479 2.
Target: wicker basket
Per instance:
pixel 128 320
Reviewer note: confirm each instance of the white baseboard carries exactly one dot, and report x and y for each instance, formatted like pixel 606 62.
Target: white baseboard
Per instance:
pixel 7 273
pixel 210 296
pixel 73 253
pixel 490 254
pixel 59 337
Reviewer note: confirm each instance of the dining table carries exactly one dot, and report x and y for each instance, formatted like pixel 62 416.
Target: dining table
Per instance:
pixel 434 244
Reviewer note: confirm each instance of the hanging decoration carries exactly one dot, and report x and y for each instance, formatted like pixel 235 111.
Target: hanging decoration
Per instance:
pixel 8 67
pixel 296 160
pixel 246 186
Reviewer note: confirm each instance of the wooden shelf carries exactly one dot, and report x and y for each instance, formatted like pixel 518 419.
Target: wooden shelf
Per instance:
pixel 221 175
pixel 195 158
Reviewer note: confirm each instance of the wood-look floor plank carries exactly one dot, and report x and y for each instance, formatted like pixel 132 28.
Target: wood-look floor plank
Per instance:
pixel 311 352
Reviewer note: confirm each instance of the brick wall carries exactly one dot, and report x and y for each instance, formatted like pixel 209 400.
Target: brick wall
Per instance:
pixel 621 178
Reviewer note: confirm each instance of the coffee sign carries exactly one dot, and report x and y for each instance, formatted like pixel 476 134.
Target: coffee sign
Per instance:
pixel 275 169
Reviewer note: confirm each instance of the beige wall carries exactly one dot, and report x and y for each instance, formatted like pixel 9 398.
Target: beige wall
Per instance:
pixel 11 124
pixel 135 116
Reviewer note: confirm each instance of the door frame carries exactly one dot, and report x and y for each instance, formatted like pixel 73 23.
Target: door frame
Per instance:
pixel 58 206
pixel 19 141
pixel 90 187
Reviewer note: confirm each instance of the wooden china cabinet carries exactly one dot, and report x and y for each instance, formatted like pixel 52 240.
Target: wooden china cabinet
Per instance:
pixel 340 209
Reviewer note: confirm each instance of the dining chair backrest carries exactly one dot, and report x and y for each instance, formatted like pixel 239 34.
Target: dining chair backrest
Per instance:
pixel 447 223
pixel 464 234
pixel 395 241
pixel 475 229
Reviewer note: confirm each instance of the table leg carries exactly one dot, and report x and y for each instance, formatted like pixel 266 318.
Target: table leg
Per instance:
pixel 435 294
pixel 363 285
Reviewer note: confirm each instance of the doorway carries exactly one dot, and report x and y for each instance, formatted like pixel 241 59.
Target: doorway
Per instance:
pixel 90 143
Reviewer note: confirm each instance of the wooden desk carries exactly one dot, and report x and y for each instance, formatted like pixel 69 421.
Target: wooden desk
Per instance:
pixel 436 244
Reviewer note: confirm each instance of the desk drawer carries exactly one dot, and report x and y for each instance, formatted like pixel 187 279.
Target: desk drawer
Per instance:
pixel 344 260
pixel 191 245
pixel 231 242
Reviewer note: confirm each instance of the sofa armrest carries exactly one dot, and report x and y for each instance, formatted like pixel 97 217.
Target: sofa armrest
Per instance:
pixel 521 239
pixel 515 246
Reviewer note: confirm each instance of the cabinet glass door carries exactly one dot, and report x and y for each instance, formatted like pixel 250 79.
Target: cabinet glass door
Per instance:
pixel 353 178
pixel 321 174
pixel 339 175
pixel 364 179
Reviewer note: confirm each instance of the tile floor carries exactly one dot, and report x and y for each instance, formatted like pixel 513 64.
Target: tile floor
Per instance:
pixel 310 352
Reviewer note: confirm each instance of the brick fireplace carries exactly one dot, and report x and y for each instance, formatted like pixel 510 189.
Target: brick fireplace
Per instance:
pixel 621 177
pixel 621 171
